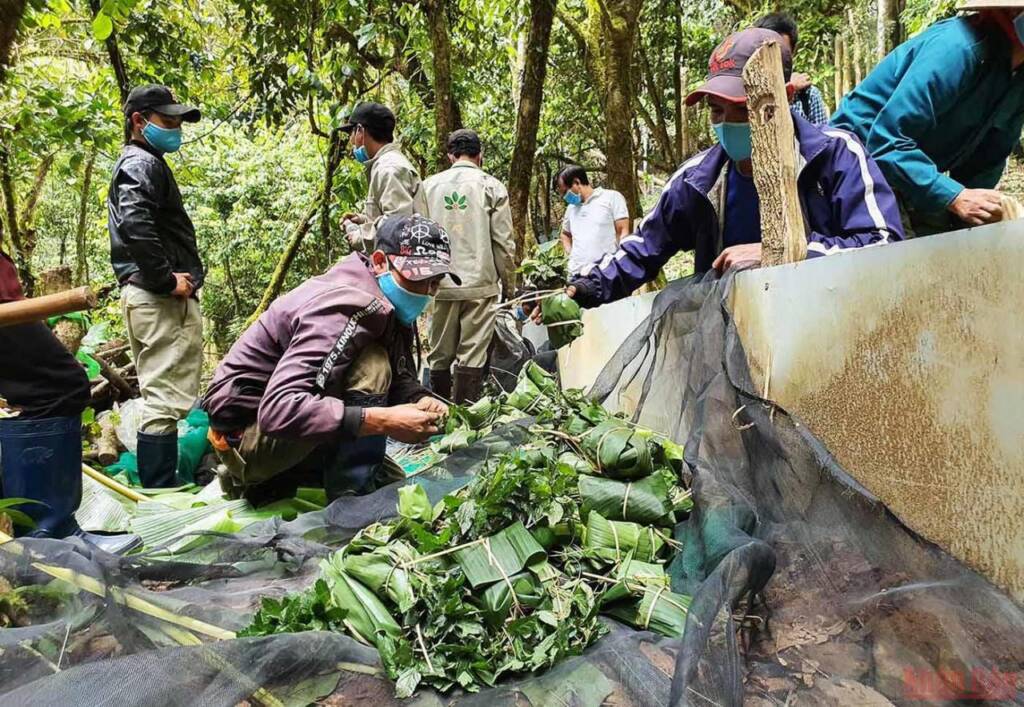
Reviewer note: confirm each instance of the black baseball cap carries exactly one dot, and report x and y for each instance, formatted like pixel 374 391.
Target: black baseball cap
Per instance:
pixel 419 248
pixel 725 70
pixel 160 99
pixel 464 142
pixel 376 116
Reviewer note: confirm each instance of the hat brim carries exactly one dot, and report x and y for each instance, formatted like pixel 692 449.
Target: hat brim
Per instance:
pixel 190 114
pixel 989 5
pixel 728 88
pixel 348 127
pixel 417 269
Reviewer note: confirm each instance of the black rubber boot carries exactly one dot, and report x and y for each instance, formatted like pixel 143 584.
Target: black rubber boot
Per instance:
pixel 354 470
pixel 158 460
pixel 41 460
pixel 441 383
pixel 468 384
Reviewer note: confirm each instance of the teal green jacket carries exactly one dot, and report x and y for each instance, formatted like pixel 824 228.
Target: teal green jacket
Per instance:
pixel 940 113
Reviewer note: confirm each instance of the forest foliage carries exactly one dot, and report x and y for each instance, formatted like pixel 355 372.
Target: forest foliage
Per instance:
pixel 275 79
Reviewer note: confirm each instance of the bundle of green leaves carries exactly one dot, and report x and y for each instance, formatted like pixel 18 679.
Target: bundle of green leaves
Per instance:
pixel 512 573
pixel 546 267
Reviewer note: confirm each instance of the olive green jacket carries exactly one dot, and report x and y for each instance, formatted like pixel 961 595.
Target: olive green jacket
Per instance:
pixel 472 206
pixel 394 188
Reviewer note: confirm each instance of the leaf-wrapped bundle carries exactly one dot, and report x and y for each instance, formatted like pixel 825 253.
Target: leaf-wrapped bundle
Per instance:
pixel 620 451
pixel 643 501
pixel 576 463
pixel 382 571
pixel 611 541
pixel 658 610
pixel 500 556
pixel 524 589
pixel 561 313
pixel 367 616
pixel 632 578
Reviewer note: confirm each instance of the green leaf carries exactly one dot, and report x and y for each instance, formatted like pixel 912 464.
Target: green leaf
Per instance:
pixel 499 556
pixel 413 503
pixel 102 27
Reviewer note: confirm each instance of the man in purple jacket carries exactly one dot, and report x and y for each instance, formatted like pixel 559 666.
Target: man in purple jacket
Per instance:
pixel 320 381
pixel 710 205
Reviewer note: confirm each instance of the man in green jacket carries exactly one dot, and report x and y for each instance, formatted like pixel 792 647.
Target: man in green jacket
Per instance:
pixel 394 186
pixel 941 114
pixel 473 208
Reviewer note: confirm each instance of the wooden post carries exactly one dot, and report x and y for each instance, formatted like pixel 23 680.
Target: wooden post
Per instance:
pixel 858 54
pixel 783 238
pixel 847 67
pixel 39 308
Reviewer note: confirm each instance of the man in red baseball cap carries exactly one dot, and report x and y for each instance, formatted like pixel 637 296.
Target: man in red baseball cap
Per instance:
pixel 710 205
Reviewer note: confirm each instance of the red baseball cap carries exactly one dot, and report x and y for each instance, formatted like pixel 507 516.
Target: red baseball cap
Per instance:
pixel 725 70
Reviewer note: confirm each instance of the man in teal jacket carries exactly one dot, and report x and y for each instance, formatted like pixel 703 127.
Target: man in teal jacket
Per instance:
pixel 942 112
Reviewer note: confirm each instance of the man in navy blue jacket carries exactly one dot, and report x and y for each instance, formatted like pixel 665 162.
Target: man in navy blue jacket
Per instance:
pixel 710 205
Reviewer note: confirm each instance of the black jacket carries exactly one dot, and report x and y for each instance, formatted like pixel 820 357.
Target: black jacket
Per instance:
pixel 151 236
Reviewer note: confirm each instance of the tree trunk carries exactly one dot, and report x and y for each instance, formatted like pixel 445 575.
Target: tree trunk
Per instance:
pixel 285 263
pixel 858 48
pixel 335 145
pixel 446 111
pixel 620 28
pixel 10 22
pixel 659 123
pixel 116 62
pixel 531 95
pixel 783 237
pixel 81 252
pixel 840 58
pixel 888 27
pixel 683 120
pixel 679 83
pixel 847 66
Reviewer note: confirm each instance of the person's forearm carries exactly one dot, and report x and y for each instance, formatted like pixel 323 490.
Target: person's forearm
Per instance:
pixel 566 242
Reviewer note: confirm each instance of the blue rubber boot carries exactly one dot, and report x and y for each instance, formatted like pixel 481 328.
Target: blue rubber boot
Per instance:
pixel 42 460
pixel 353 471
pixel 158 460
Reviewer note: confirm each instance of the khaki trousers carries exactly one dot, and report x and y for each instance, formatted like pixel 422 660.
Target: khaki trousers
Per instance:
pixel 166 338
pixel 260 457
pixel 461 332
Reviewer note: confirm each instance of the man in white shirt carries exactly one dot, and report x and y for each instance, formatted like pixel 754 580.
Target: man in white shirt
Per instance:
pixel 595 220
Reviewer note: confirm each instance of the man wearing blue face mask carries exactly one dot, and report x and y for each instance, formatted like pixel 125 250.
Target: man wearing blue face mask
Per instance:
pixel 310 392
pixel 942 113
pixel 710 205
pixel 394 187
pixel 156 260
pixel 595 219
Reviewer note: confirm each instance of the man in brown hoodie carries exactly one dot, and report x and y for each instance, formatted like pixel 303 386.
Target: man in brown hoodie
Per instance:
pixel 320 381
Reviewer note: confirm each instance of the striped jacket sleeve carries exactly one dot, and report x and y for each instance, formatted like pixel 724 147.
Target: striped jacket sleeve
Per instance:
pixel 864 208
pixel 665 231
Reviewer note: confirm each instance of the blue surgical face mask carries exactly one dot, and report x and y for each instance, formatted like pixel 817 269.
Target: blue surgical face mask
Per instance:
pixel 408 305
pixel 1018 24
pixel 360 153
pixel 162 139
pixel 572 198
pixel 735 140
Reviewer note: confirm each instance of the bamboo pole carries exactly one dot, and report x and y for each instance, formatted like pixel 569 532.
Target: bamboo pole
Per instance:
pixel 39 308
pixel 783 237
pixel 113 485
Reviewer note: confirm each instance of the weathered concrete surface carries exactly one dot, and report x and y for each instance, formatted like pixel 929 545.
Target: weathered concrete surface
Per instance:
pixel 907 361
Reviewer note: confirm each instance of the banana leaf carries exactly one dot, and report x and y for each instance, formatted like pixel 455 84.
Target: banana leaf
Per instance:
pixel 620 451
pixel 644 501
pixel 659 610
pixel 414 504
pixel 526 396
pixel 544 381
pixel 576 463
pixel 500 556
pixel 367 616
pixel 482 412
pixel 562 316
pixel 497 598
pixel 458 439
pixel 612 541
pixel 633 578
pixel 382 572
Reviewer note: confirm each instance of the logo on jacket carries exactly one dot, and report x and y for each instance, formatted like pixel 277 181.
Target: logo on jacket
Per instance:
pixel 455 201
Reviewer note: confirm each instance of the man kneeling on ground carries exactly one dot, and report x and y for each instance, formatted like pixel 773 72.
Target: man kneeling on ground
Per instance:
pixel 310 392
pixel 711 206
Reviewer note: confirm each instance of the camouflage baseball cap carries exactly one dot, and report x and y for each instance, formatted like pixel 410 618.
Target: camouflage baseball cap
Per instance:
pixel 419 248
pixel 725 70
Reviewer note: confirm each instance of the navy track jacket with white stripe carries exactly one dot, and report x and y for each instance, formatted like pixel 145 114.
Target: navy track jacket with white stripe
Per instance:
pixel 846 203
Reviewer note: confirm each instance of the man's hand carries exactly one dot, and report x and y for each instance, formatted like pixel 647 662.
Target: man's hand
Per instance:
pixel 183 285
pixel 800 82
pixel 429 404
pixel 353 217
pixel 977 207
pixel 533 310
pixel 736 254
pixel 406 423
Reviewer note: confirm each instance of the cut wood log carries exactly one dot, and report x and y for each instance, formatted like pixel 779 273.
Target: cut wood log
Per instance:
pixel 70 334
pixel 40 308
pixel 122 387
pixel 783 238
pixel 107 443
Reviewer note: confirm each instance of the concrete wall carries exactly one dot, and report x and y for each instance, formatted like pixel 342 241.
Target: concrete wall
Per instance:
pixel 907 361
